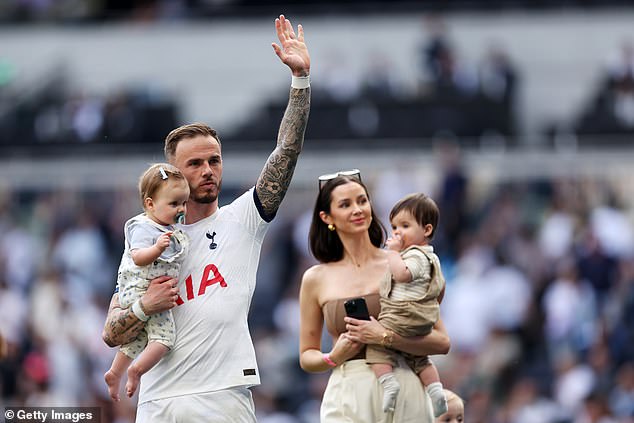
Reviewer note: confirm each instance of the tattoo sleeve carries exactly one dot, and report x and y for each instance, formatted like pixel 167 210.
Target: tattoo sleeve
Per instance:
pixel 276 175
pixel 122 326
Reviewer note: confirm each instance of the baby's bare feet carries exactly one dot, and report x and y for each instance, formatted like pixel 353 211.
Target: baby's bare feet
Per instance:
pixel 134 376
pixel 112 380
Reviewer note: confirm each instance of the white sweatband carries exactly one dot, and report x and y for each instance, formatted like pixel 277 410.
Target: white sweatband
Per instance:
pixel 138 311
pixel 300 82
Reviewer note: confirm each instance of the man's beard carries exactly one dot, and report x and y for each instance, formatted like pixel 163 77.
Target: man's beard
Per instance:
pixel 206 197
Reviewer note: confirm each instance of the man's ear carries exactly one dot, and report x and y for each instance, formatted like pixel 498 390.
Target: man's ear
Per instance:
pixel 325 217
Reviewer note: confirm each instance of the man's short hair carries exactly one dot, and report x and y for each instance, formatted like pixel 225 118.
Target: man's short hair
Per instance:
pixel 186 131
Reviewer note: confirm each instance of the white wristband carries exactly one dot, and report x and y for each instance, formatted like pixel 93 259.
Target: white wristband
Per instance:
pixel 138 311
pixel 300 82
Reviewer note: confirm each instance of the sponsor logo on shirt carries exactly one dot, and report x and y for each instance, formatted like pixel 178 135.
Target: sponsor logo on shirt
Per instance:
pixel 211 276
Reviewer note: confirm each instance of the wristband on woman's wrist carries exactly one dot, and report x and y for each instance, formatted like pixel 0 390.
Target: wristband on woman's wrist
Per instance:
pixel 300 82
pixel 139 312
pixel 329 361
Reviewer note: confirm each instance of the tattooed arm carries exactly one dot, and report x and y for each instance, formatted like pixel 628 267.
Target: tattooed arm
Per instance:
pixel 122 325
pixel 278 170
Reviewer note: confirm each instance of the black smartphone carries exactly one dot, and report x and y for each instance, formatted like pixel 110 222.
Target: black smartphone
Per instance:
pixel 357 309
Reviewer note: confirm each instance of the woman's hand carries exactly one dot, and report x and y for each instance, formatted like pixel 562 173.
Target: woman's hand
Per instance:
pixel 372 332
pixel 344 349
pixel 364 331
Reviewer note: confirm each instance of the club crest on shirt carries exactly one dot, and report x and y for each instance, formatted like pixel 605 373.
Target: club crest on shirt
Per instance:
pixel 212 245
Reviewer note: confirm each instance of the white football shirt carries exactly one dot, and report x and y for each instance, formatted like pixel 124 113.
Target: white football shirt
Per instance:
pixel 213 347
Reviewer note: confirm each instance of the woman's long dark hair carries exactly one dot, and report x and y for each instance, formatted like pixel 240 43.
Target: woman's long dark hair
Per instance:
pixel 324 243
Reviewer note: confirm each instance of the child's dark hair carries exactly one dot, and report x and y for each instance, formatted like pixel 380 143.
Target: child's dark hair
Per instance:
pixel 154 177
pixel 423 208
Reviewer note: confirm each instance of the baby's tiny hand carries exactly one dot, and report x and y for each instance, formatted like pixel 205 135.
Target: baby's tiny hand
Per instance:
pixel 163 241
pixel 394 243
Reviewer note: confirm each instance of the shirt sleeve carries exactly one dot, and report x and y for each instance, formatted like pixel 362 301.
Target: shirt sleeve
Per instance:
pixel 245 209
pixel 140 235
pixel 418 264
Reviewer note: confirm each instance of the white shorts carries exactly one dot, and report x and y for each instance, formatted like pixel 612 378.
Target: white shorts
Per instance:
pixel 354 395
pixel 234 405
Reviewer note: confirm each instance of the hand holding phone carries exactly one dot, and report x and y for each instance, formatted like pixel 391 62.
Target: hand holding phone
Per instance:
pixel 357 309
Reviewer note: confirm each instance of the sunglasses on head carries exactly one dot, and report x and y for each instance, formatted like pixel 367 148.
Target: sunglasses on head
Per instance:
pixel 355 173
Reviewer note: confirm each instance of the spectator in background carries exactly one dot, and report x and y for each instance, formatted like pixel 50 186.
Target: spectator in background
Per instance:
pixel 446 77
pixel 433 49
pixel 498 80
pixel 498 76
pixel 13 312
pixel 338 80
pixel 622 398
pixel 380 80
pixel 79 250
pixel 4 349
pixel 452 195
pixel 612 109
pixel 569 305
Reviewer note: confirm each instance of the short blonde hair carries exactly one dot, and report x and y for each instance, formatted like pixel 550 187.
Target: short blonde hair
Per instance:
pixel 153 178
pixel 186 131
pixel 450 395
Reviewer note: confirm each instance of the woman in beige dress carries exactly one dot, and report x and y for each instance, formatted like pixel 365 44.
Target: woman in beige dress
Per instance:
pixel 346 238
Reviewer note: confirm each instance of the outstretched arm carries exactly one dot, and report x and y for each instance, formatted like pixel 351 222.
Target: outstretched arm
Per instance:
pixel 276 175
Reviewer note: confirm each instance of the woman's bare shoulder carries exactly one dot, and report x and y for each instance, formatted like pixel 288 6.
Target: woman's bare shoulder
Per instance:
pixel 316 272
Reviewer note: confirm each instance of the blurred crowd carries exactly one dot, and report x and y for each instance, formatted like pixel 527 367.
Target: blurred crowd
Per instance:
pixel 54 111
pixel 540 271
pixel 447 93
pixel 611 109
pixel 476 100
pixel 539 302
pixel 65 11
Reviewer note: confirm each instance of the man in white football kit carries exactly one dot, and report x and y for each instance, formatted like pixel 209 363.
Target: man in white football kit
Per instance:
pixel 205 378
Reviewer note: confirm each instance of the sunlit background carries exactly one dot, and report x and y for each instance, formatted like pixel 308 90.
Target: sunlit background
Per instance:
pixel 517 117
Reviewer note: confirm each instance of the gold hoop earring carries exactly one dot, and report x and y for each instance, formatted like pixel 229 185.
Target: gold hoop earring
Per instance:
pixel 331 227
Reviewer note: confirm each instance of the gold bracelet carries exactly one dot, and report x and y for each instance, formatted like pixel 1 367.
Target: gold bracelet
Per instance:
pixel 388 339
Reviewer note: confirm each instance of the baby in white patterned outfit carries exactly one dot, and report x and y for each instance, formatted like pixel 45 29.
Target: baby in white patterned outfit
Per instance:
pixel 153 247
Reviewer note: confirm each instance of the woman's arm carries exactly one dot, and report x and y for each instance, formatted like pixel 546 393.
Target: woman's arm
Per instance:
pixel 371 332
pixel 436 342
pixel 311 358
